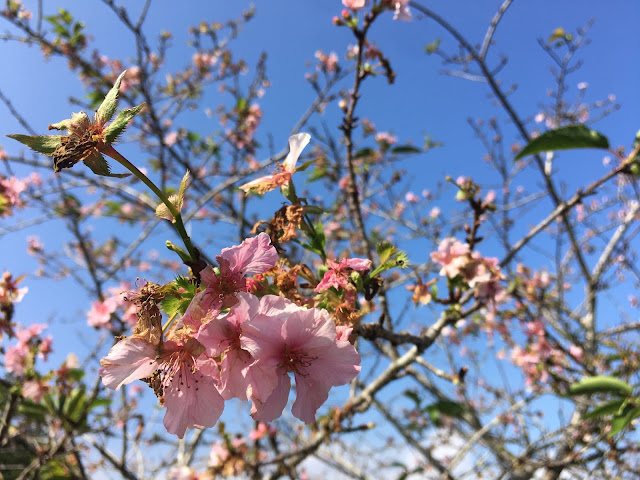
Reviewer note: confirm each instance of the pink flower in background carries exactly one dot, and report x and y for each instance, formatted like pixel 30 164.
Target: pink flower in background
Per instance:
pixel 191 398
pixel 15 358
pixel 386 137
pixel 10 190
pixel 402 11
pixel 34 245
pixel 354 4
pixel 100 314
pixel 253 256
pixel 283 177
pixel 34 390
pixel 338 274
pixel 261 431
pixel 170 138
pixel 452 256
pixel 289 338
pixel 411 197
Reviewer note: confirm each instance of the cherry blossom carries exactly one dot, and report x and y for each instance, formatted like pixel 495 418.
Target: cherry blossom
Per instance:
pixel 451 255
pixel 191 397
pixel 354 4
pixel 303 342
pixel 338 274
pixel 239 376
pixel 283 177
pixel 402 11
pixel 253 256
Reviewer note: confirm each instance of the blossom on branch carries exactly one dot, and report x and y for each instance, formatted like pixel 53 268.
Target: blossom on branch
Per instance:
pixel 267 183
pixel 338 274
pixel 302 341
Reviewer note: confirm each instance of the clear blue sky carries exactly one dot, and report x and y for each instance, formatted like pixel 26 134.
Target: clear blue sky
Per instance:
pixel 421 101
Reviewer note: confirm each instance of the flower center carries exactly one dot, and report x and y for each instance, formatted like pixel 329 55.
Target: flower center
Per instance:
pixel 296 361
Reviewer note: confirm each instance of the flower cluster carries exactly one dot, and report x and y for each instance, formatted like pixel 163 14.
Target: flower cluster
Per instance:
pixel 482 273
pixel 10 190
pixel 100 314
pixel 20 357
pixel 232 344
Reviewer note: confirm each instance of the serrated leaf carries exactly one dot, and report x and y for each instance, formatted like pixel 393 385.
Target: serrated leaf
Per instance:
pixel 45 144
pixel 600 384
pixel 99 165
pixel 607 408
pixel 385 250
pixel 406 149
pixel 565 138
pixel 110 103
pixel 115 128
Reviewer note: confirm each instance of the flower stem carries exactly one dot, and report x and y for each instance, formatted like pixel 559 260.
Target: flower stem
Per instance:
pixel 177 223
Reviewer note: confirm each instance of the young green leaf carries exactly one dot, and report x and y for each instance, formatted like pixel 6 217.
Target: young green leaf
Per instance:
pixel 113 131
pixel 565 138
pixel 623 420
pixel 607 408
pixel 600 384
pixel 45 144
pixel 110 102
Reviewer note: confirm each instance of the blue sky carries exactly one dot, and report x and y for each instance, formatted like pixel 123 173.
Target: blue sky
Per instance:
pixel 422 100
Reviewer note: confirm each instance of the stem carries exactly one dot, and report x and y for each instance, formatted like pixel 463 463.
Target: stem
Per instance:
pixel 177 223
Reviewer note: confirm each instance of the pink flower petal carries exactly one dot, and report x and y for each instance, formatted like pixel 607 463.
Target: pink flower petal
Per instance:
pixel 310 395
pixel 254 255
pixel 274 405
pixel 130 359
pixel 192 400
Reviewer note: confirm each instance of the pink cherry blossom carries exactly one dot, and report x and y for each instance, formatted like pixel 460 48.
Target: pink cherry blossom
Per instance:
pixel 15 358
pixel 354 4
pixel 402 11
pixel 452 256
pixel 239 376
pixel 303 342
pixel 191 397
pixel 100 314
pixel 338 274
pixel 34 390
pixel 253 256
pixel 283 177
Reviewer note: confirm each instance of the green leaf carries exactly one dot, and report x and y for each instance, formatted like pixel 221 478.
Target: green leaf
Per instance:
pixel 45 144
pixel 385 250
pixel 623 420
pixel 565 138
pixel 113 131
pixel 313 209
pixel 413 396
pixel 110 103
pixel 406 149
pixel 363 153
pixel 433 46
pixel 99 402
pixel 600 384
pixel 32 410
pixel 99 165
pixel 607 408
pixel 446 407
